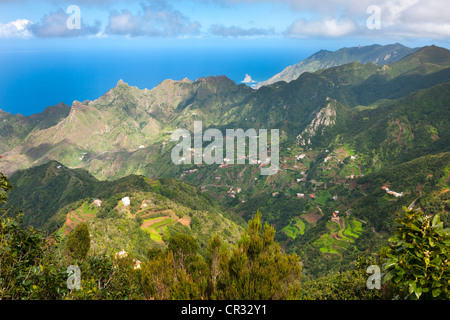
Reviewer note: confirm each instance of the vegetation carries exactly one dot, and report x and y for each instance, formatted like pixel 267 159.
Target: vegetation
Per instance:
pixel 27 268
pixel 418 262
pixel 256 267
pixel 79 242
pixel 253 268
pixel 349 133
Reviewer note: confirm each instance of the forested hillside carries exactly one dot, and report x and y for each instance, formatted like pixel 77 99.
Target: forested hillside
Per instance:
pixel 364 157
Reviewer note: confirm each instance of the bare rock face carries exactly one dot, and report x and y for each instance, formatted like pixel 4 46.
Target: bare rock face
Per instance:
pixel 325 117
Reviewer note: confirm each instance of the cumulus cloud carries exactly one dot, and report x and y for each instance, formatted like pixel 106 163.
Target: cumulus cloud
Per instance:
pixel 416 18
pixel 323 28
pixel 55 25
pixel 16 29
pixel 328 19
pixel 338 18
pixel 234 31
pixel 157 19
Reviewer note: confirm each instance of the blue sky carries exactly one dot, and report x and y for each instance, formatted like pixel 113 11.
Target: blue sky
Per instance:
pixel 202 22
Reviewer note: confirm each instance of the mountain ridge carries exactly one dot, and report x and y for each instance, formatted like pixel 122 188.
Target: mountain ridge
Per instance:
pixel 344 132
pixel 325 59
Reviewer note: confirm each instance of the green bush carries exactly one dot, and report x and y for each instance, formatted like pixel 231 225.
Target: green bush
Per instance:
pixel 419 260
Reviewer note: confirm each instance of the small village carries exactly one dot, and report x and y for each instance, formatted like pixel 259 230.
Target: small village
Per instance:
pixel 296 163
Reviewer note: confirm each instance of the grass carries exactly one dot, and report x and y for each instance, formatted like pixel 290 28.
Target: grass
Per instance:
pixel 291 231
pixel 155 236
pixel 300 224
pixel 323 197
pixel 327 244
pixel 443 180
pixel 84 213
pixel 156 230
pixel 295 227
pixel 347 170
pixel 162 223
pixel 328 250
pixel 355 228
pixel 88 209
pixel 346 236
pixel 151 219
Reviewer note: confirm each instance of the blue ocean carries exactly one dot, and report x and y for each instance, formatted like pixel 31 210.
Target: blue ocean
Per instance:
pixel 31 80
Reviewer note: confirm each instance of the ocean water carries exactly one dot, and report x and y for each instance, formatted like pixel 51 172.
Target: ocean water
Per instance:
pixel 31 80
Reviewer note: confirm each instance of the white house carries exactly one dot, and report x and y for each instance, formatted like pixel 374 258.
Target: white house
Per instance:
pixel 98 202
pixel 126 201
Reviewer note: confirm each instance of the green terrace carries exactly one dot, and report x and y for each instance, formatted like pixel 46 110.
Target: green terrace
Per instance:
pixel 296 227
pixel 340 236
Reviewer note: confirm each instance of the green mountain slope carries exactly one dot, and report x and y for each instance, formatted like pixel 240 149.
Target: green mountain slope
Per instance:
pixel 292 106
pixel 326 59
pixel 55 198
pixel 15 128
pixel 345 132
pixel 124 131
pixel 123 122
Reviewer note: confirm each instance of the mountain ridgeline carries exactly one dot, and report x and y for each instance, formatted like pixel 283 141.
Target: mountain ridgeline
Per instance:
pixel 363 132
pixel 324 59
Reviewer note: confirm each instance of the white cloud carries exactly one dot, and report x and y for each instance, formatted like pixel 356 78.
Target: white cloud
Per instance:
pixel 16 29
pixel 158 19
pixel 323 28
pixel 55 25
pixel 234 31
pixel 124 24
pixel 340 18
pixel 400 19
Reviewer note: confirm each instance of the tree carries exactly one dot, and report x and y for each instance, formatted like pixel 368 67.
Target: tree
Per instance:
pixel 258 269
pixel 418 262
pixel 183 247
pixel 5 186
pixel 254 268
pixel 79 242
pixel 346 285
pixel 27 268
pixel 213 259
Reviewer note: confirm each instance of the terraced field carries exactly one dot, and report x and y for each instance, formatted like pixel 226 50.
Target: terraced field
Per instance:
pixel 296 227
pixel 341 235
pixel 156 222
pixel 83 214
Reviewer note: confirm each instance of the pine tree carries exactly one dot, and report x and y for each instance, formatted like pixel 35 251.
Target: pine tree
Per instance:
pixel 79 242
pixel 258 269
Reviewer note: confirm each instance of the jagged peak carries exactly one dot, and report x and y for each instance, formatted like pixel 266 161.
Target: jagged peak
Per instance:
pixel 185 80
pixel 121 82
pixel 77 104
